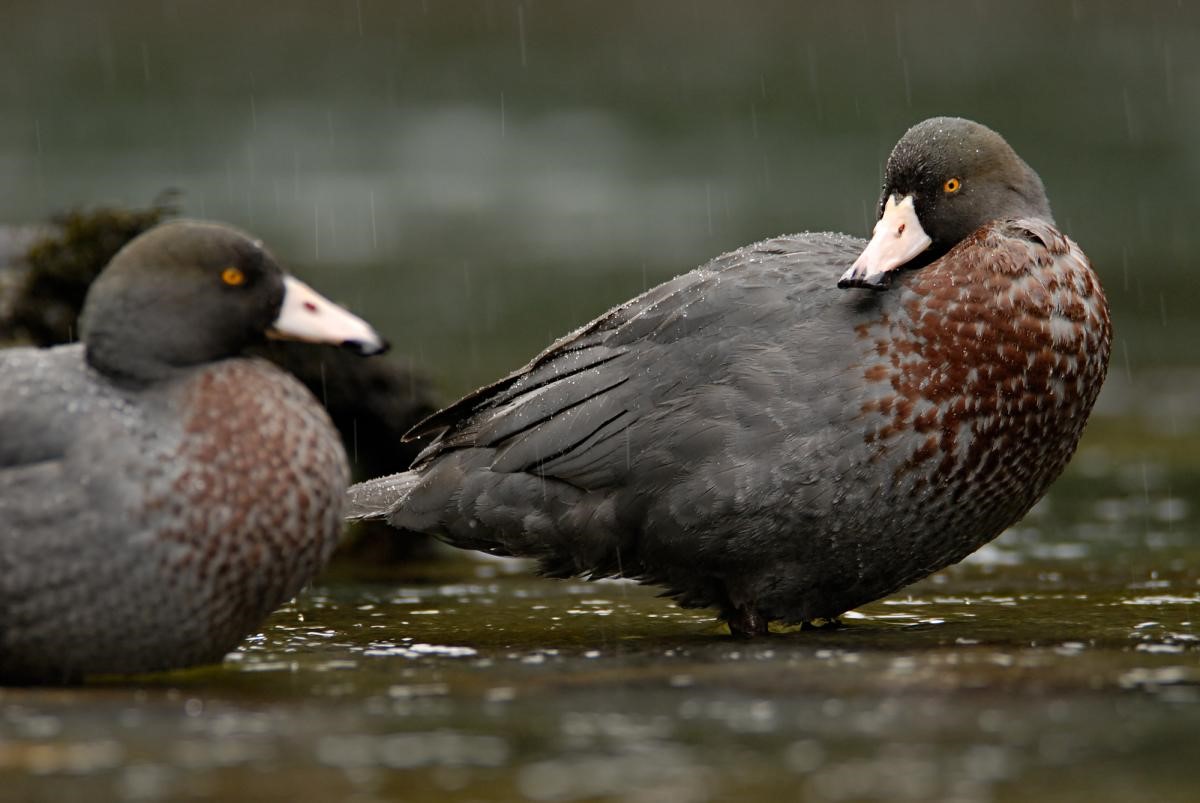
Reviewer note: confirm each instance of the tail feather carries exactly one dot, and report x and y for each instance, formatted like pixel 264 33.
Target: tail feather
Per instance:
pixel 376 499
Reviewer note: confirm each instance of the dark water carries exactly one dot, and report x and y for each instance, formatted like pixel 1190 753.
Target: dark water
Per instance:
pixel 480 177
pixel 1008 674
pixel 1058 663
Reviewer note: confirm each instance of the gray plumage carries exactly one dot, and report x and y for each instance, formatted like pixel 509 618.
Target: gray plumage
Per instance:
pixel 159 494
pixel 755 439
pixel 117 552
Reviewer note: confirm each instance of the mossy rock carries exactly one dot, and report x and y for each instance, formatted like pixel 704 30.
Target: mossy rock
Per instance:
pixel 58 268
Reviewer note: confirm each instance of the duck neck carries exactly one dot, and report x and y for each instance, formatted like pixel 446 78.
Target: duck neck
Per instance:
pixel 111 354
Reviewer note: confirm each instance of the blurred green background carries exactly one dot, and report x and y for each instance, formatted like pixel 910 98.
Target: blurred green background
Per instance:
pixel 478 177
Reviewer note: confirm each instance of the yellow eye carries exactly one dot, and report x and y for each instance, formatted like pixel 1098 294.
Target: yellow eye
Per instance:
pixel 233 276
pixel 952 185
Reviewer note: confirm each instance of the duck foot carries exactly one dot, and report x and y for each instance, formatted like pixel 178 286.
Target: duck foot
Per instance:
pixel 746 623
pixel 821 624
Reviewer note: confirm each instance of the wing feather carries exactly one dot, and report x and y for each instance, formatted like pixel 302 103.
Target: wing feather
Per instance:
pixel 563 415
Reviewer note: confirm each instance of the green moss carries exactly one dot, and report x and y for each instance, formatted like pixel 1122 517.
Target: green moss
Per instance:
pixel 61 266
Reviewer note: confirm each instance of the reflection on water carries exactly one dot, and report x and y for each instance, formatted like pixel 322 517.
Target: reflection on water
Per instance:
pixel 480 178
pixel 1063 658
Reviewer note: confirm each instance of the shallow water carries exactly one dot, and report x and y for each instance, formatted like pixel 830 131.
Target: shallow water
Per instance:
pixel 1061 658
pixel 478 178
pixel 969 687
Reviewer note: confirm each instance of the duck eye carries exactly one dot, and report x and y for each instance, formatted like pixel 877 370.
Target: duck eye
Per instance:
pixel 952 185
pixel 233 276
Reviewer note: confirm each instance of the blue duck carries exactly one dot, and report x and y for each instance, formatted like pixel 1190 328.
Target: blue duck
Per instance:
pixel 46 269
pixel 159 493
pixel 803 425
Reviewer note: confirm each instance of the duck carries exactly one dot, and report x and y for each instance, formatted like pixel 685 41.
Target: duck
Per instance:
pixel 798 427
pixel 161 493
pixel 47 267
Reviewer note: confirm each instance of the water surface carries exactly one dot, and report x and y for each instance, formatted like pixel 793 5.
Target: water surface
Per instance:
pixel 1063 658
pixel 478 178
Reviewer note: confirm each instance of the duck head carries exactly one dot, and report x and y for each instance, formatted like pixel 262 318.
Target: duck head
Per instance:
pixel 945 179
pixel 190 292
